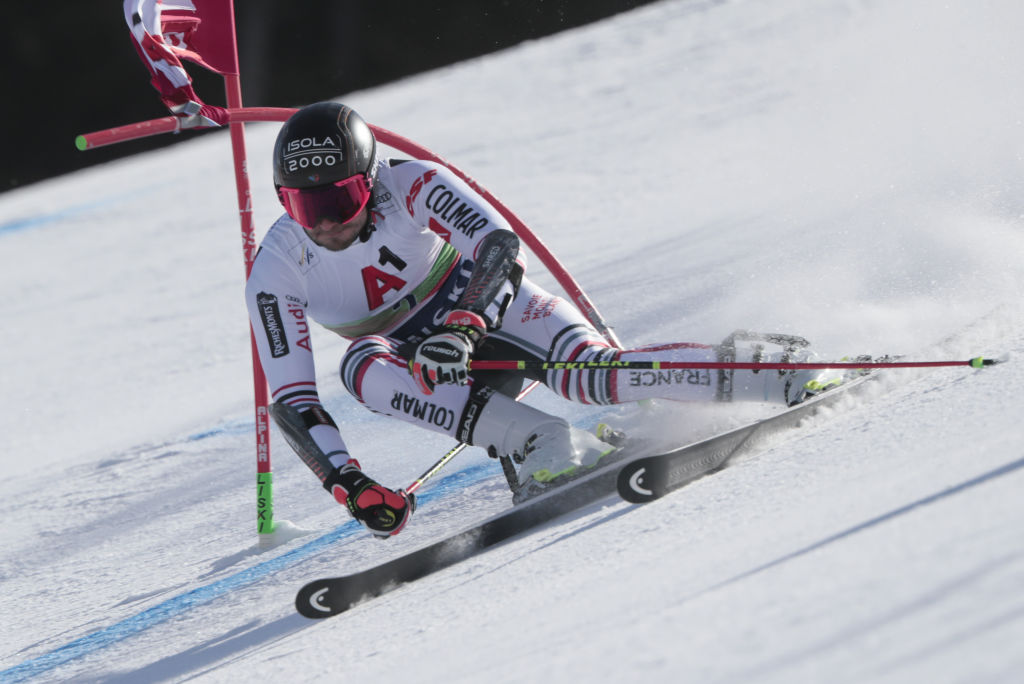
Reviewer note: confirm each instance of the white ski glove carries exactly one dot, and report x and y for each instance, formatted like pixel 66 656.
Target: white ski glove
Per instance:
pixel 444 356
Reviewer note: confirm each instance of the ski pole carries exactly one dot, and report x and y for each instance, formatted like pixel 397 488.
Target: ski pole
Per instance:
pixel 441 462
pixel 513 365
pixel 532 365
pixel 454 451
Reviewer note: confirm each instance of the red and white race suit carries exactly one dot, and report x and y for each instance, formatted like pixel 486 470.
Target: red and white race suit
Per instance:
pixel 397 287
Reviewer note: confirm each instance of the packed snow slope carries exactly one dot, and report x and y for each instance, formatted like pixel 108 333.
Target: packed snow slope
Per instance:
pixel 849 171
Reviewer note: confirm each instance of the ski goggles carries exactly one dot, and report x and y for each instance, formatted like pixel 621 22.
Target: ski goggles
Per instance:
pixel 341 201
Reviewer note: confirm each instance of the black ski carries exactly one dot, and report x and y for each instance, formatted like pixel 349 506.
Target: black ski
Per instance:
pixel 648 478
pixel 332 595
pixel 638 479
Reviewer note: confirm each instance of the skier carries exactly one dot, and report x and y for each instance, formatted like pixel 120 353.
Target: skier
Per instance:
pixel 422 275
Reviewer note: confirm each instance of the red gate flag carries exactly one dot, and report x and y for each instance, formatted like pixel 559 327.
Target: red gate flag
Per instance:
pixel 201 31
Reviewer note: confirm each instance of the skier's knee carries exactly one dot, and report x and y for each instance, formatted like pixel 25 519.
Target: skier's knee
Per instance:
pixel 363 353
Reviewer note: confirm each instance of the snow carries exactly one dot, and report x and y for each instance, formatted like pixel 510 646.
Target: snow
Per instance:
pixel 848 171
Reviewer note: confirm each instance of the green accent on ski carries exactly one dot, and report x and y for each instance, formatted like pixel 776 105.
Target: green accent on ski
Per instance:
pixel 815 386
pixel 545 475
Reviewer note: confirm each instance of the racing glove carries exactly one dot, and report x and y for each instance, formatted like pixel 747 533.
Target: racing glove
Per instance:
pixel 381 510
pixel 444 356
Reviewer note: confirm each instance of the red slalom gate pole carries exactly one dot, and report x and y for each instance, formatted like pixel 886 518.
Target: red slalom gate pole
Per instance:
pixel 261 394
pixel 172 124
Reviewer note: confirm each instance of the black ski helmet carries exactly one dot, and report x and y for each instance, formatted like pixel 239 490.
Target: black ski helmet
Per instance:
pixel 324 143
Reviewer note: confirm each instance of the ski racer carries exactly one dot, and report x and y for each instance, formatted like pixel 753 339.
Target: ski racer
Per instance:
pixel 422 275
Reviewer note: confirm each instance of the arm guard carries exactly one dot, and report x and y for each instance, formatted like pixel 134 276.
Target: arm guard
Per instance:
pixel 495 267
pixel 295 425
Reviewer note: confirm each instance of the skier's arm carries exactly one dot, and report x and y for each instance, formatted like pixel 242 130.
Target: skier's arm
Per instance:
pixel 444 356
pixel 383 511
pixel 277 311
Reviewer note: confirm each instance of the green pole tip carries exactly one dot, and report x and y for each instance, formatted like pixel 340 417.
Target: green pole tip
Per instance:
pixel 979 362
pixel 81 143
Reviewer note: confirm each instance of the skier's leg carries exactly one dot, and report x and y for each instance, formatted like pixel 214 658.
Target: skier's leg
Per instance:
pixel 788 387
pixel 545 327
pixel 377 375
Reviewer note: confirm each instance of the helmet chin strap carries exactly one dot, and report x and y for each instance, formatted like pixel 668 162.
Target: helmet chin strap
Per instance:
pixel 367 230
pixel 370 226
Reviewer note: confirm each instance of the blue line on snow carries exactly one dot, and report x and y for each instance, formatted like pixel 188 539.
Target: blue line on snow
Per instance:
pixel 235 427
pixel 68 212
pixel 43 219
pixel 178 605
pixel 203 595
